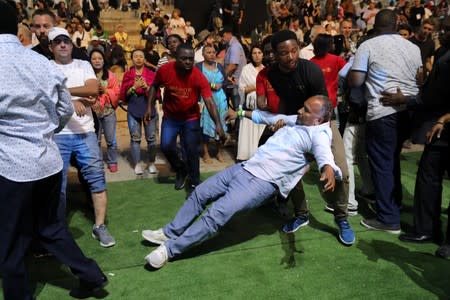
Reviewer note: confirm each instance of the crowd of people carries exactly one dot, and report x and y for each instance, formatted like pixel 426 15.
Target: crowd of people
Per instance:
pixel 345 85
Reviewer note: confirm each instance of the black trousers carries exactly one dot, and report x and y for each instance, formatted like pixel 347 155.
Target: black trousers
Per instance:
pixel 29 209
pixel 384 140
pixel 434 162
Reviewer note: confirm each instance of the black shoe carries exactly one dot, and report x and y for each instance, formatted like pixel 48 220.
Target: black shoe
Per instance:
pixel 416 238
pixel 87 289
pixel 180 180
pixel 443 251
pixel 377 225
pixel 369 198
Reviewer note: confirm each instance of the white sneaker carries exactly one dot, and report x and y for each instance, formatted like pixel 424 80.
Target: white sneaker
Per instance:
pixel 138 170
pixel 158 257
pixel 155 236
pixel 152 169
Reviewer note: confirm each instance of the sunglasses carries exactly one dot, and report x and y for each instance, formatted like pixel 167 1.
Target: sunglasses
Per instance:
pixel 60 40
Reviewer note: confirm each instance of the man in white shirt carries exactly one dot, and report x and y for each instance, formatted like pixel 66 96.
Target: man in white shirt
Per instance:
pixel 276 166
pixel 384 63
pixel 78 137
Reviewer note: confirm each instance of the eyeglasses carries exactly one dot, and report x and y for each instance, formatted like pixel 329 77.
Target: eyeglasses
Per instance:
pixel 60 40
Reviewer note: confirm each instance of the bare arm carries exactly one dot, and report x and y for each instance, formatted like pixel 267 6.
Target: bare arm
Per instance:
pixel 89 89
pixel 211 107
pixel 150 104
pixel 356 79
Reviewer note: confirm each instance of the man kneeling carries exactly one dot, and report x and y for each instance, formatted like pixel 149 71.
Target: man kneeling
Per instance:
pixel 276 166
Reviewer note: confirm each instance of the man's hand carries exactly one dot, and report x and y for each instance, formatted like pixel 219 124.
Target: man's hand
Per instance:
pixel 88 101
pixel 279 124
pixel 327 177
pixel 220 133
pixel 147 117
pixel 435 131
pixel 231 115
pixel 79 108
pixel 393 99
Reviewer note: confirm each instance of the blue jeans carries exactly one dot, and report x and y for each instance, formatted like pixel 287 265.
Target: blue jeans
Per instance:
pixel 84 148
pixel 134 126
pixel 230 191
pixel 107 126
pixel 189 132
pixel 384 139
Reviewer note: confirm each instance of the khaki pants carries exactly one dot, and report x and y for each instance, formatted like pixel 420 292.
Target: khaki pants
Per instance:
pixel 339 198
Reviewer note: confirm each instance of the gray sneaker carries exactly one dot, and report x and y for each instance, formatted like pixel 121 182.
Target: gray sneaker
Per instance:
pixel 102 234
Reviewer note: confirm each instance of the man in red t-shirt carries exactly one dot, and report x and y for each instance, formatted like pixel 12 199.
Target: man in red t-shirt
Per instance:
pixel 183 85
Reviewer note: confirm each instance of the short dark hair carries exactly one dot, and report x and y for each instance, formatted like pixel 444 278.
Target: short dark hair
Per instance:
pixel 44 12
pixel 385 20
pixel 8 17
pixel 323 44
pixel 281 36
pixel 404 26
pixel 184 46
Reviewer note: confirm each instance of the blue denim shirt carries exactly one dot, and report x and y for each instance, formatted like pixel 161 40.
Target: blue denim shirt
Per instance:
pixel 34 102
pixel 281 160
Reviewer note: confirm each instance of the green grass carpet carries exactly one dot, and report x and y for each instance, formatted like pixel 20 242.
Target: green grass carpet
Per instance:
pixel 250 258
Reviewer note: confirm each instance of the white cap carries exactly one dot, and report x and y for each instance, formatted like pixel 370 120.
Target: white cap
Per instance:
pixel 95 38
pixel 57 31
pixel 87 21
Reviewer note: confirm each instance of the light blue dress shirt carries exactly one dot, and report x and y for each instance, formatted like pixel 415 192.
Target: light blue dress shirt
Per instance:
pixel 281 160
pixel 34 102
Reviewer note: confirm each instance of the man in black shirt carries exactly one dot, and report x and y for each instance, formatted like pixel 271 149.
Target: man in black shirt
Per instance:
pixel 416 14
pixel 422 38
pixel 295 80
pixel 42 21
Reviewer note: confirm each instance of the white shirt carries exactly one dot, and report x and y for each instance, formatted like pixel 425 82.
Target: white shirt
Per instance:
pixel 390 61
pixel 307 52
pixel 78 72
pixel 281 160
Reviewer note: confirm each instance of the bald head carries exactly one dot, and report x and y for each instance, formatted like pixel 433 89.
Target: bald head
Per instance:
pixel 316 110
pixel 24 35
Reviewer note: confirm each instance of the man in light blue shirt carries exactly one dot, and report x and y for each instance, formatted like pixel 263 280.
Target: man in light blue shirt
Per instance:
pixel 276 166
pixel 32 108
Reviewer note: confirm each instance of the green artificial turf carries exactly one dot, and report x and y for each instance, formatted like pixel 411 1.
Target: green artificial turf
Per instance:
pixel 250 258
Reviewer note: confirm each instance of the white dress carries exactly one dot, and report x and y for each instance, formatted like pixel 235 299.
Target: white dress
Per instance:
pixel 249 132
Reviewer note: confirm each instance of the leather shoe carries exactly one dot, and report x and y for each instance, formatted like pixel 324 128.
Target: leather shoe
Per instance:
pixel 416 238
pixel 88 289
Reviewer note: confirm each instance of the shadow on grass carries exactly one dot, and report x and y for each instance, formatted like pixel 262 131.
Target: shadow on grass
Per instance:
pixel 243 227
pixel 50 271
pixel 427 271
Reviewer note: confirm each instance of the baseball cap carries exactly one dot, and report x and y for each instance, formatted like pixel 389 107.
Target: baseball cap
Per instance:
pixel 57 31
pixel 95 38
pixel 87 21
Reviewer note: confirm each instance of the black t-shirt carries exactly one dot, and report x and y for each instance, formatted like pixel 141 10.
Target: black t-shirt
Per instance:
pixel 426 48
pixel 295 87
pixel 416 15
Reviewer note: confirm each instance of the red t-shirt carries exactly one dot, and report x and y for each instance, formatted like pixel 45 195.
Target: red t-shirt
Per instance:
pixel 181 93
pixel 330 65
pixel 264 88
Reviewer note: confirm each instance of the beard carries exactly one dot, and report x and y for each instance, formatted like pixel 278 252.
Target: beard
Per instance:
pixel 43 40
